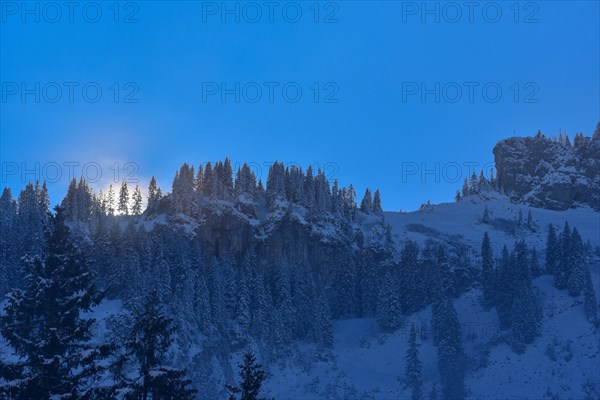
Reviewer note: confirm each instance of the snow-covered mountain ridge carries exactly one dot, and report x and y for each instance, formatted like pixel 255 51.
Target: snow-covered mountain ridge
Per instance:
pixel 500 287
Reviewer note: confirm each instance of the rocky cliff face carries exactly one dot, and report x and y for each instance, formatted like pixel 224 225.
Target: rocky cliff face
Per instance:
pixel 549 173
pixel 290 234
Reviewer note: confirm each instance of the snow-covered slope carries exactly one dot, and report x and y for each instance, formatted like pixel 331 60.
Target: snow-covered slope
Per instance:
pixel 563 363
pixel 462 222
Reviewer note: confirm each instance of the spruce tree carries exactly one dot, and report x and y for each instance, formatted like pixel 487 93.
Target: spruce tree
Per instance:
pixel 377 207
pixel 150 337
pixel 227 179
pixel 252 377
pixel 413 367
pixel 504 288
pixel 487 272
pixel 482 182
pixel 43 324
pixel 154 196
pixel 276 186
pixel 486 215
pixel 9 265
pixel 451 357
pixel 308 188
pixel 136 208
pixel 388 305
pixel 110 201
pixel 123 207
pixel 411 279
pixel 530 221
pixel 552 251
pixel 589 300
pixel 566 258
pixel 525 311
pixel 366 204
pixel 465 188
pixel 474 184
pixel 534 264
pixel 208 182
pixel 578 265
pixel 596 135
pixel 322 327
pixel 344 286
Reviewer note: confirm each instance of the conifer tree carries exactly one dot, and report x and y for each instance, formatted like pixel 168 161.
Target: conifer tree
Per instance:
pixel 589 300
pixel 486 215
pixel 525 312
pixel 227 178
pixel 276 186
pixel 465 188
pixel 530 221
pixel 487 272
pixel 596 135
pixel 154 195
pixel 350 202
pixel 413 367
pixel 309 188
pixel 344 286
pixel 377 207
pixel 552 251
pixel 110 201
pixel 567 140
pixel 43 324
pixel 504 288
pixel 123 207
pixel 32 220
pixel 336 203
pixel 260 188
pixel 411 279
pixel 388 305
pixel 252 377
pixel 474 184
pixel 451 357
pixel 69 203
pixel 578 265
pixel 150 338
pixel 482 182
pixel 366 204
pixel 208 182
pixel 322 328
pixel 8 237
pixel 457 196
pixel 198 180
pixel 136 208
pixel 534 264
pixel 566 258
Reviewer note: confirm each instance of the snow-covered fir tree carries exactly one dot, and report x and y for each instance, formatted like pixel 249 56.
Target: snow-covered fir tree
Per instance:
pixel 389 310
pixel 412 376
pixel 44 326
pixel 123 207
pixel 487 272
pixel 136 207
pixel 150 337
pixel 366 204
pixel 252 377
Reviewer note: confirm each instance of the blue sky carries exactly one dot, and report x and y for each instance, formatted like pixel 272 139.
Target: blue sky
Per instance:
pixel 361 68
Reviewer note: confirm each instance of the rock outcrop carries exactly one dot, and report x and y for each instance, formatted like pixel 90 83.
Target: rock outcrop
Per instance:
pixel 549 173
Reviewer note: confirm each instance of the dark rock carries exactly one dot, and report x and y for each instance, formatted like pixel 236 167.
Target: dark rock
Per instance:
pixel 548 173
